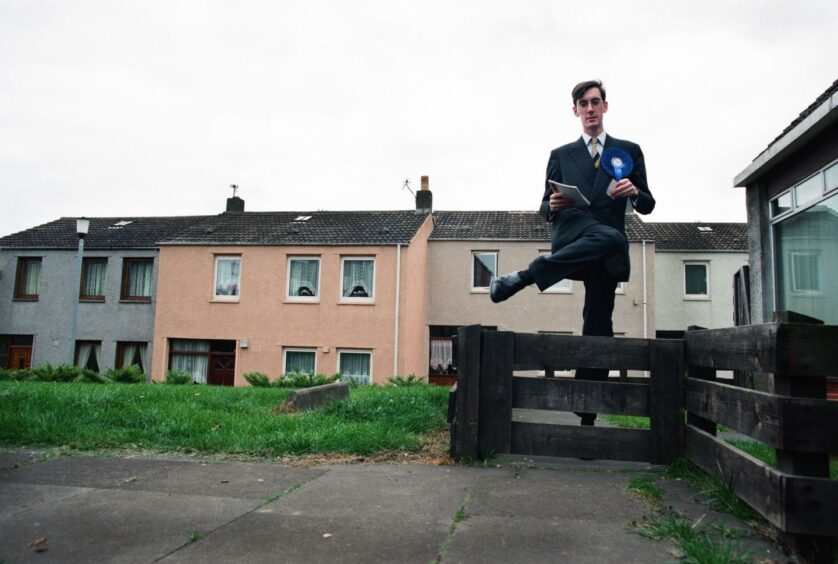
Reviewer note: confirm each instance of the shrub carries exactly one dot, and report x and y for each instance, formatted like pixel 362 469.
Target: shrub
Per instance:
pixel 127 375
pixel 257 379
pixel 298 380
pixel 46 372
pixel 178 377
pixel 411 380
pixel 91 376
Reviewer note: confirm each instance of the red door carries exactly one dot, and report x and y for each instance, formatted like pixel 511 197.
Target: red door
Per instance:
pixel 20 356
pixel 222 369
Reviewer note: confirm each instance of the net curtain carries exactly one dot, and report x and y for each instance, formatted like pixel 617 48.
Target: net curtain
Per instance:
pixel 195 364
pixel 227 280
pixel 139 279
pixel 357 278
pixel 94 279
pixel 88 352
pixel 32 278
pixel 303 278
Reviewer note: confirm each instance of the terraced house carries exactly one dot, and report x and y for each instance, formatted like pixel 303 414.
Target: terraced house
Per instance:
pixel 116 295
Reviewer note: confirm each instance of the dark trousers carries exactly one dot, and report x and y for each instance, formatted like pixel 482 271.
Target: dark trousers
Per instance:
pixel 583 259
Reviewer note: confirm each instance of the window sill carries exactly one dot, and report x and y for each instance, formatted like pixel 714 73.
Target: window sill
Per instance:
pixel 135 300
pixel 479 290
pixel 295 300
pixel 356 301
pixel 556 292
pixel 24 299
pixel 223 301
pixel 92 300
pixel 697 298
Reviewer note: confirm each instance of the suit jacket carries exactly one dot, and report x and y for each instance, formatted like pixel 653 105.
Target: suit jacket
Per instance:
pixel 572 164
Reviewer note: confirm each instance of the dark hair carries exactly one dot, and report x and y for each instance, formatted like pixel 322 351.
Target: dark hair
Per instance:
pixel 580 89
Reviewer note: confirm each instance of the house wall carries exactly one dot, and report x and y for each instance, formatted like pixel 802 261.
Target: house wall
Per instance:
pixel 49 318
pixel 263 316
pixel 413 334
pixel 452 302
pixel 675 311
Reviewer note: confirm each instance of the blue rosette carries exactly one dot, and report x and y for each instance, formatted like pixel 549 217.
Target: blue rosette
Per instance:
pixel 617 163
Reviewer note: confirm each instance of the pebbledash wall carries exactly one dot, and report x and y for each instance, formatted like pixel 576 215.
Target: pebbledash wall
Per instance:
pixel 270 323
pixel 48 319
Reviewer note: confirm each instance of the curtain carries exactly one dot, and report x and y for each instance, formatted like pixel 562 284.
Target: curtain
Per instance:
pixel 143 356
pixel 299 361
pixel 696 279
pixel 139 278
pixel 94 279
pixel 128 352
pixel 357 278
pixel 195 364
pixel 227 277
pixel 355 366
pixel 442 354
pixel 85 350
pixel 32 278
pixel 303 277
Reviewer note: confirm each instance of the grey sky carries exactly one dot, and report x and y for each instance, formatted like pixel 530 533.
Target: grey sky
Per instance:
pixel 113 108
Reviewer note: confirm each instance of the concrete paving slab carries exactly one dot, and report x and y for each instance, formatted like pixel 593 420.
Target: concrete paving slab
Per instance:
pixel 410 492
pixel 315 538
pixel 114 526
pixel 483 538
pixel 552 494
pixel 17 458
pixel 84 471
pixel 15 498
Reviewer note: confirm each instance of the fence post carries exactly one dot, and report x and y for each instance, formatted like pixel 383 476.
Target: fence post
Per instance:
pixel 813 548
pixel 495 434
pixel 701 373
pixel 464 427
pixel 666 400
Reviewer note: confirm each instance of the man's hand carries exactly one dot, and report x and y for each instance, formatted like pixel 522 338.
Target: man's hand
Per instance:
pixel 558 202
pixel 624 188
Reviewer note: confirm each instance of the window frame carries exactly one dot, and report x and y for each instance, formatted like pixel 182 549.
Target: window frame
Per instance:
pixel 92 342
pixel 124 286
pixel 357 299
pixel 20 277
pixel 224 298
pixel 706 265
pixel 367 352
pixel 120 350
pixel 471 272
pixel 793 274
pixel 304 299
pixel 85 265
pixel 286 350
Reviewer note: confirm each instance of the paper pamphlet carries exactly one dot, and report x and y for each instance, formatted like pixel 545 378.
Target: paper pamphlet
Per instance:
pixel 571 192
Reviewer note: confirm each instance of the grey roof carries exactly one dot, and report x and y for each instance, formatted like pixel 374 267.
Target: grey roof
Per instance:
pixel 807 112
pixel 288 228
pixel 104 233
pixel 530 226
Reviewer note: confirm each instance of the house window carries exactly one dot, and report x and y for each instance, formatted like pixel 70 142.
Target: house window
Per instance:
pixel 355 366
pixel 696 280
pixel 303 278
pixel 358 275
pixel 805 272
pixel 227 278
pixel 808 190
pixel 130 353
pixel 88 354
pixel 299 361
pixel 621 288
pixel 562 286
pixel 781 204
pixel 93 271
pixel 484 267
pixel 136 279
pixel 209 362
pixel 28 278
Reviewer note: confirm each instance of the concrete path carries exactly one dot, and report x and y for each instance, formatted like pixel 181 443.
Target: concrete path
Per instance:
pixel 143 509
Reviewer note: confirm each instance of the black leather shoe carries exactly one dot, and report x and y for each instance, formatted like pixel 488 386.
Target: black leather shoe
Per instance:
pixel 505 287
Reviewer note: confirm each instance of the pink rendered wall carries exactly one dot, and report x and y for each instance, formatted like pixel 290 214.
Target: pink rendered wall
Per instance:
pixel 269 322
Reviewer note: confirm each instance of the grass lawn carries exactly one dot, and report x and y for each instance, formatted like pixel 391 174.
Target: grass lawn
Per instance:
pixel 214 419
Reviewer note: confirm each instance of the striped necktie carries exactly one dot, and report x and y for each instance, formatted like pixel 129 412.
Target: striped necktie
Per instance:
pixel 595 151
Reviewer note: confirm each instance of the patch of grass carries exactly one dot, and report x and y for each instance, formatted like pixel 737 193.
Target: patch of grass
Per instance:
pixel 717 493
pixel 194 537
pixel 696 545
pixel 628 421
pixel 215 419
pixel 646 487
pixel 766 454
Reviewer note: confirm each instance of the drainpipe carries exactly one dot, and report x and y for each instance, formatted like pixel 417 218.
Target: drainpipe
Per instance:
pixel 645 297
pixel 398 300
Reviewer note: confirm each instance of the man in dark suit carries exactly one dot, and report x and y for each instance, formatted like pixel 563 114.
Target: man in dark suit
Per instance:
pixel 590 243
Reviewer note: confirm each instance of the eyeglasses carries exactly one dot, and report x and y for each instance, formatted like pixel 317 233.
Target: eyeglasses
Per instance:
pixel 583 104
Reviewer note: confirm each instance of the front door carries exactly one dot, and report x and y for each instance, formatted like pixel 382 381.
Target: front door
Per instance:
pixel 222 369
pixel 20 357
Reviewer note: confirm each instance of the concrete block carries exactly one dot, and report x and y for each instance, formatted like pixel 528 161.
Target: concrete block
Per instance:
pixel 312 398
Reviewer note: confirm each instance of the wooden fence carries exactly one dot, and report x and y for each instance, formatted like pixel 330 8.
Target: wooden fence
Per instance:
pixel 796 496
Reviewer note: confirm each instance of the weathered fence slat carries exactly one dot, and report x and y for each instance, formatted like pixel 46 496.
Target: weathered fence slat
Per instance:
pixel 539 439
pixel 562 394
pixel 495 393
pixel 539 351
pixel 781 421
pixel 666 398
pixel 464 427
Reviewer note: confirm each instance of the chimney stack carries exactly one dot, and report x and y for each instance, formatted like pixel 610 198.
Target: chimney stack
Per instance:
pixel 235 204
pixel 424 197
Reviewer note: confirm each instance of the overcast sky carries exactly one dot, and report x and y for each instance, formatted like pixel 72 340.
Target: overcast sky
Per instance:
pixel 111 108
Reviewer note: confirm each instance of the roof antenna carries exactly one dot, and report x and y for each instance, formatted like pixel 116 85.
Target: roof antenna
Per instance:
pixel 235 187
pixel 407 185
